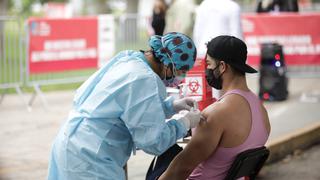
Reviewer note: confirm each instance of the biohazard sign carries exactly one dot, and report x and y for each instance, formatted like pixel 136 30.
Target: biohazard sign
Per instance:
pixel 194 86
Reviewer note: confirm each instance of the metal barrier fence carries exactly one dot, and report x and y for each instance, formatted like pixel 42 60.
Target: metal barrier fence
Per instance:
pixel 11 53
pixel 131 32
pixel 14 70
pixel 37 80
pixel 129 35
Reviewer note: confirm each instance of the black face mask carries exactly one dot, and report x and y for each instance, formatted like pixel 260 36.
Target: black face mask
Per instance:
pixel 212 80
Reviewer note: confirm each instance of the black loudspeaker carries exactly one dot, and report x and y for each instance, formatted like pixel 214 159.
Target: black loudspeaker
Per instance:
pixel 273 82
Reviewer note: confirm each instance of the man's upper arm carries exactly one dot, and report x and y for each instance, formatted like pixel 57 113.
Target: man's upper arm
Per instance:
pixel 202 144
pixel 206 139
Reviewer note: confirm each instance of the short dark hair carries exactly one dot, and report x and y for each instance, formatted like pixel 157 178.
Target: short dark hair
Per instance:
pixel 233 69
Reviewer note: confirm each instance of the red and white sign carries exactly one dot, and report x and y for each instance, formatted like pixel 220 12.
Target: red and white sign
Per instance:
pixel 297 33
pixel 68 44
pixel 194 86
pixel 62 44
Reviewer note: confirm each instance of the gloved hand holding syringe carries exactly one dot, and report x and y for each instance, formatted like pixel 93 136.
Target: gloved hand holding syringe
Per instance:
pixel 196 108
pixel 190 118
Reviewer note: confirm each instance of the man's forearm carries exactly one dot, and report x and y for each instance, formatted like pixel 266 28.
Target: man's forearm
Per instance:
pixel 178 169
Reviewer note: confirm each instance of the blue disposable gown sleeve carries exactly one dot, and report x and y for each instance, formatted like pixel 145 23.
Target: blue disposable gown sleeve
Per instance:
pixel 145 118
pixel 168 107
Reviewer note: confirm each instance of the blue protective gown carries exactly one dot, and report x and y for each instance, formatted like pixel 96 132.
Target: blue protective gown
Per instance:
pixel 121 107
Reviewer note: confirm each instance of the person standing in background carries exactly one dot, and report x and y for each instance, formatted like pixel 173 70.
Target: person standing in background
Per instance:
pixel 277 6
pixel 265 6
pixel 158 21
pixel 180 17
pixel 215 18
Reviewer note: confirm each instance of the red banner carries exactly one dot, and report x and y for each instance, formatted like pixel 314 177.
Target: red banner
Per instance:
pixel 297 33
pixel 62 44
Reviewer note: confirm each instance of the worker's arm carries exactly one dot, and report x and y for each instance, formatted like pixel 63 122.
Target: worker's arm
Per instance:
pixel 202 144
pixel 145 118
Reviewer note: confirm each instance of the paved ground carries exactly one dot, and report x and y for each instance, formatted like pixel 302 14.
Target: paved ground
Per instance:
pixel 303 165
pixel 26 136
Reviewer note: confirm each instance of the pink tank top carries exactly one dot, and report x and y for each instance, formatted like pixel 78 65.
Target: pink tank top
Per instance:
pixel 218 164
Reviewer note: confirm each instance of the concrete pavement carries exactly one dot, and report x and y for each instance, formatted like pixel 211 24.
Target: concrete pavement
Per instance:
pixel 26 136
pixel 301 165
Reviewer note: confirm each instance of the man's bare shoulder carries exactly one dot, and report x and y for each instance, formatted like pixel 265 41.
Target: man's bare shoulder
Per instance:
pixel 215 113
pixel 221 111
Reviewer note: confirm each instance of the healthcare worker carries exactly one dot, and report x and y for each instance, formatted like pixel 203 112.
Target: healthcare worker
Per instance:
pixel 123 107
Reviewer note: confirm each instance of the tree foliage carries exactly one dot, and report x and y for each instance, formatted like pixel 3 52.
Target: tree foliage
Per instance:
pixel 26 4
pixel 99 7
pixel 46 1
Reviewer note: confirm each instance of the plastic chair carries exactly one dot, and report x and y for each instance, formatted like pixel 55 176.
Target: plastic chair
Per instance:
pixel 248 164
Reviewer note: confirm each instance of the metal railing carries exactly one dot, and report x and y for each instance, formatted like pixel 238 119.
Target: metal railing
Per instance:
pixel 37 80
pixel 11 55
pixel 128 34
pixel 131 32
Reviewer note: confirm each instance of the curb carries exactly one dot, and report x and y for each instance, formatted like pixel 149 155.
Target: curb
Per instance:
pixel 287 144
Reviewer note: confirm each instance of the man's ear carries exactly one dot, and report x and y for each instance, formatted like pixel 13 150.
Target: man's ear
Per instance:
pixel 223 66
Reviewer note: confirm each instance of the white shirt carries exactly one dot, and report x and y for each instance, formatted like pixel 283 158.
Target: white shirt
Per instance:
pixel 214 18
pixel 180 17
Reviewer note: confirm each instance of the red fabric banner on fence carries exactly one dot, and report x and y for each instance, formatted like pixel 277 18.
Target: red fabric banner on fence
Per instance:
pixel 62 44
pixel 297 33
